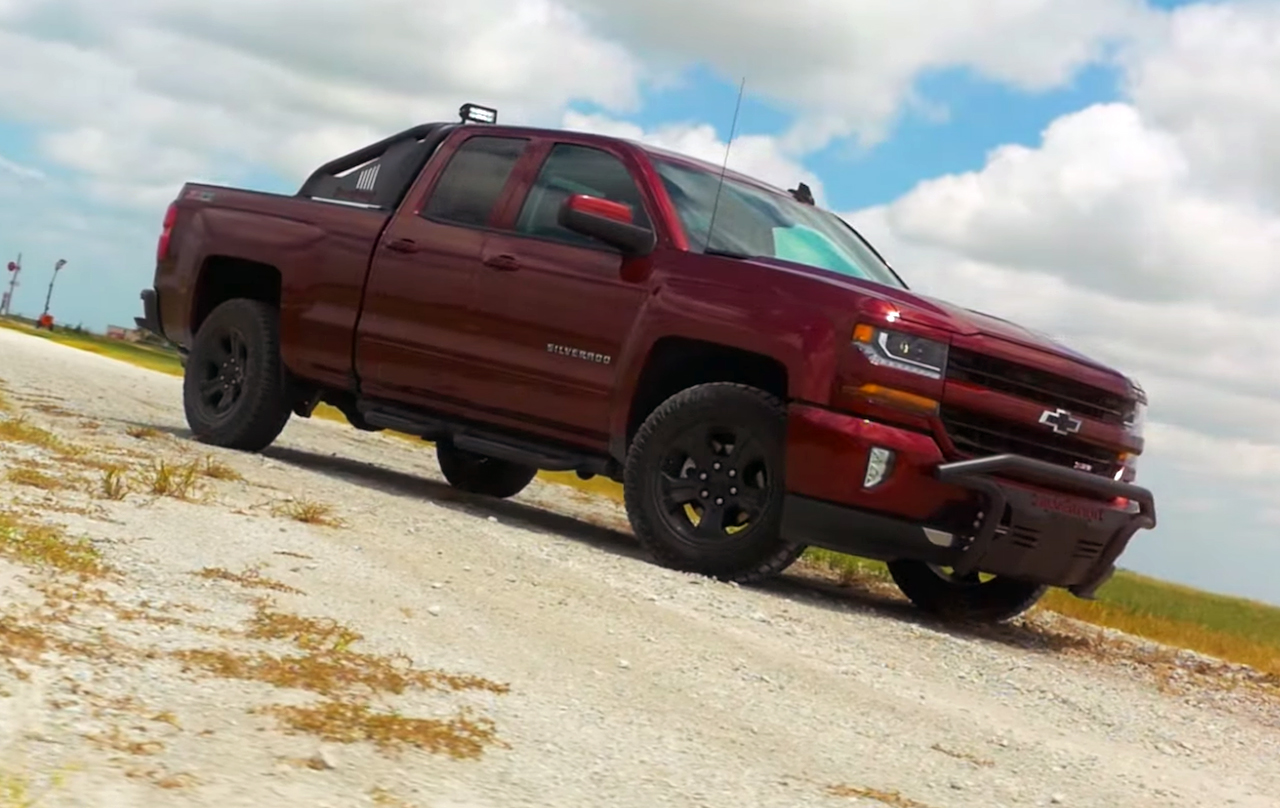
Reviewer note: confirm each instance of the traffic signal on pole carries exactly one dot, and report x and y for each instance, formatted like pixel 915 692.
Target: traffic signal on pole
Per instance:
pixel 13 267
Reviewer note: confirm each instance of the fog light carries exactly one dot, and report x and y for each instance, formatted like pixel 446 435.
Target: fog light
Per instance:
pixel 879 464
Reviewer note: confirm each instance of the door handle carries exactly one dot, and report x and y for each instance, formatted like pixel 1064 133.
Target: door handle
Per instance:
pixel 504 262
pixel 403 245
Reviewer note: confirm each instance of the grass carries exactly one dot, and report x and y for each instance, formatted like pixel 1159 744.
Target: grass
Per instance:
pixel 891 798
pixel 40 545
pixel 34 478
pixel 308 512
pixel 346 681
pixel 169 480
pixel 249 579
pixel 1233 629
pixel 115 484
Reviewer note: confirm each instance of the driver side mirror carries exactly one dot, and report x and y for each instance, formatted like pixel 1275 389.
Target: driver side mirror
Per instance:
pixel 611 222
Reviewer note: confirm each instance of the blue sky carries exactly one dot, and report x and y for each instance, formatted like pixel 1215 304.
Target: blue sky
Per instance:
pixel 981 115
pixel 1104 171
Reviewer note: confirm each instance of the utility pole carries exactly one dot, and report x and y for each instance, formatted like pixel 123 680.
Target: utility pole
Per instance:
pixel 44 314
pixel 15 267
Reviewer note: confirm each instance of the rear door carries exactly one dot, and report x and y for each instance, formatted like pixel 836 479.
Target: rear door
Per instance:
pixel 415 342
pixel 553 311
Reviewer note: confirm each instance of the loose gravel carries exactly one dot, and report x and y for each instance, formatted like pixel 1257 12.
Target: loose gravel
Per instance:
pixel 614 682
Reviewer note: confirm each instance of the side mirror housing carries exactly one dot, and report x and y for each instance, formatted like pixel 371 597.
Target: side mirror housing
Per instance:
pixel 611 222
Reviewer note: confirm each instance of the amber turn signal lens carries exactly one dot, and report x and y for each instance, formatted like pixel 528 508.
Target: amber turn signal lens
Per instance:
pixel 878 394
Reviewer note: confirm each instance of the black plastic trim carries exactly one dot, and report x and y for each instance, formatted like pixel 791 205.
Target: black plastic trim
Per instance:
pixel 983 475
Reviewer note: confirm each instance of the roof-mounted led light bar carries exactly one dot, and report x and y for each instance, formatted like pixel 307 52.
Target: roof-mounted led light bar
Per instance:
pixel 474 113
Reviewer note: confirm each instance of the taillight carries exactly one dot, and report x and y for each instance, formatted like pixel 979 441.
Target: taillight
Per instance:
pixel 170 216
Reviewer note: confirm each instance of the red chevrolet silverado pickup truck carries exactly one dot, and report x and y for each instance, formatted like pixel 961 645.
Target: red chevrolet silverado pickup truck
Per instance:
pixel 744 363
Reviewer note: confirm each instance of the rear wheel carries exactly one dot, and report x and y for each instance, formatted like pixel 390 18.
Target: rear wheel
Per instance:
pixel 942 593
pixel 234 390
pixel 704 483
pixel 480 474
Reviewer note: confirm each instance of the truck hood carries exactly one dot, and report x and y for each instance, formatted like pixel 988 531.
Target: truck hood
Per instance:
pixel 933 313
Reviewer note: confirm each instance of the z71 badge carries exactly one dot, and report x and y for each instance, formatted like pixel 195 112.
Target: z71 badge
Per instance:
pixel 576 353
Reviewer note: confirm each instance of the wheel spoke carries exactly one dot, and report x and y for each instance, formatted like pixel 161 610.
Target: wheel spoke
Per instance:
pixel 696 445
pixel 238 349
pixel 210 386
pixel 752 500
pixel 680 490
pixel 746 449
pixel 711 524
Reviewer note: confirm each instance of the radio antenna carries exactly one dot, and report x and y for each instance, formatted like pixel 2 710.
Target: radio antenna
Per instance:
pixel 733 128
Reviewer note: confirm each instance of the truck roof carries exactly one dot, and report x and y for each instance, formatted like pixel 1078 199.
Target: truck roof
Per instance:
pixel 657 151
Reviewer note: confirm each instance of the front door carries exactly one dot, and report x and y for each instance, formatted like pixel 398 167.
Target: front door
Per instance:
pixel 552 309
pixel 415 340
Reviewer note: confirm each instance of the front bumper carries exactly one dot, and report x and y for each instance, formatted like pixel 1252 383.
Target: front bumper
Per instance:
pixel 1006 515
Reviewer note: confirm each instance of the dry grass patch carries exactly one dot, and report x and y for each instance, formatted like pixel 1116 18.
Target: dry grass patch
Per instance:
pixel 249 579
pixel 169 480
pixel 20 430
pixel 116 740
pixel 48 546
pixel 114 484
pixel 967 756
pixel 461 737
pixel 143 432
pixel 308 512
pixel 347 681
pixel 34 478
pixel 327 666
pixel 215 469
pixel 891 798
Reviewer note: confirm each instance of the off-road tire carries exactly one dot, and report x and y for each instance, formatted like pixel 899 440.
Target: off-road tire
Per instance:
pixel 993 601
pixel 262 407
pixel 480 474
pixel 756 552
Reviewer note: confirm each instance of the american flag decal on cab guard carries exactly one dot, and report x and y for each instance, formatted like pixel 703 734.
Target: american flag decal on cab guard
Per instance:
pixel 368 178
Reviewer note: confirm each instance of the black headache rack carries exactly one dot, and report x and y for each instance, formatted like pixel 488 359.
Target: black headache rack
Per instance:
pixel 1085 537
pixel 379 175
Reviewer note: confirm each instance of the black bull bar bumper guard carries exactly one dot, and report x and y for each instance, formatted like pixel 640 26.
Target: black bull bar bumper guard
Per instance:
pixel 1089 537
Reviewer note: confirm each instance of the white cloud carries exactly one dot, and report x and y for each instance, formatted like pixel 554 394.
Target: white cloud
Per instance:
pixel 1143 232
pixel 148 93
pixel 161 89
pixel 19 171
pixel 848 67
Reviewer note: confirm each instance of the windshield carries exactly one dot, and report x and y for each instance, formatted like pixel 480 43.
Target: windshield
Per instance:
pixel 751 222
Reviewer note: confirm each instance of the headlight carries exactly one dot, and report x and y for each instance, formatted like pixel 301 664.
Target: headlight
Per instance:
pixel 900 351
pixel 1137 419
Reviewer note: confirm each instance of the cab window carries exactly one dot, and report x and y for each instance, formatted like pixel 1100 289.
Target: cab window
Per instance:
pixel 471 184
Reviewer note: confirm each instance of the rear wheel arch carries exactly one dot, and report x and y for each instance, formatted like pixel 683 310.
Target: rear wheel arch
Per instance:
pixel 222 278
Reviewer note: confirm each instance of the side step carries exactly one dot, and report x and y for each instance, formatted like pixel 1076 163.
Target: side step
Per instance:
pixel 490 443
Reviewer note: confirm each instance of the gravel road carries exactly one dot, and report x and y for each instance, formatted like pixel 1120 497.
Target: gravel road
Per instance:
pixel 560 668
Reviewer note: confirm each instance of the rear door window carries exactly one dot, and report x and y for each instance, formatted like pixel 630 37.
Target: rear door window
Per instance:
pixel 469 187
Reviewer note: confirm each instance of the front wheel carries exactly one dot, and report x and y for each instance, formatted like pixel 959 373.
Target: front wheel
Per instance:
pixel 480 474
pixel 943 594
pixel 704 483
pixel 234 389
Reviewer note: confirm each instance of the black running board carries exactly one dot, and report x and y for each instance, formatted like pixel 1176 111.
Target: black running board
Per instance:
pixel 488 442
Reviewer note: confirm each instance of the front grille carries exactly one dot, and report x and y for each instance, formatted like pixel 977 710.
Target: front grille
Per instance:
pixel 1037 385
pixel 978 435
